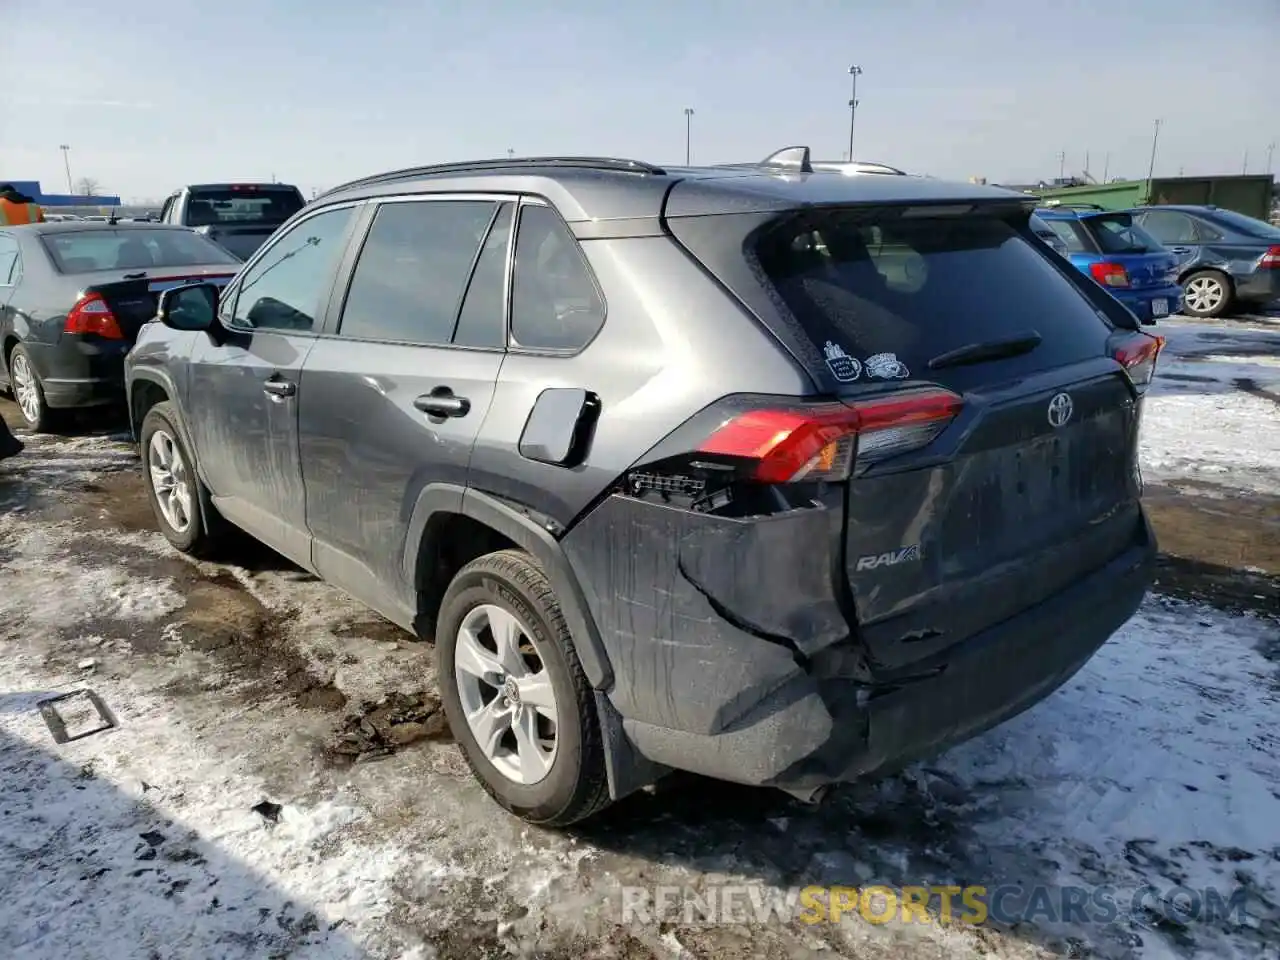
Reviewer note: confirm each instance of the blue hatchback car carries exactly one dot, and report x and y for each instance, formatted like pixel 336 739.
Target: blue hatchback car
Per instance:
pixel 1126 260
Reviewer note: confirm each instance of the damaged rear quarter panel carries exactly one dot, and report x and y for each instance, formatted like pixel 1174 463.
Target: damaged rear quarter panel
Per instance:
pixel 704 616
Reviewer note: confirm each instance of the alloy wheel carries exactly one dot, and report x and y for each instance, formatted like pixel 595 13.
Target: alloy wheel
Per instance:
pixel 25 388
pixel 506 693
pixel 170 479
pixel 1203 294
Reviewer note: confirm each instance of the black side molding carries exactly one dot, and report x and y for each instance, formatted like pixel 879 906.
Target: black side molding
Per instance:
pixel 523 529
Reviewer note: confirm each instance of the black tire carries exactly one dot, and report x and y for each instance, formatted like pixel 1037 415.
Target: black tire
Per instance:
pixel 45 418
pixel 206 529
pixel 1209 279
pixel 576 786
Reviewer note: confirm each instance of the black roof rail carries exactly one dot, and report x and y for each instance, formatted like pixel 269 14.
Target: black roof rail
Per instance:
pixel 613 164
pixel 789 158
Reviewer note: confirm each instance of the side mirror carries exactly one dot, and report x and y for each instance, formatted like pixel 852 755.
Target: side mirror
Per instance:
pixel 190 308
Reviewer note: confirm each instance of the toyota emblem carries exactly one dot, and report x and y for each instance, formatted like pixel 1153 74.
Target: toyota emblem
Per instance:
pixel 1060 410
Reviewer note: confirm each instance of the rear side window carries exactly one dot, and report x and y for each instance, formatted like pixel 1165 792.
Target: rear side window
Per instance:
pixel 413 268
pixel 895 294
pixel 555 304
pixel 8 261
pixel 1119 234
pixel 248 205
pixel 1247 225
pixel 83 251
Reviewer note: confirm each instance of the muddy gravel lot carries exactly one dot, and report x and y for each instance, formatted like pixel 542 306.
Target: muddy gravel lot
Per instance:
pixel 278 781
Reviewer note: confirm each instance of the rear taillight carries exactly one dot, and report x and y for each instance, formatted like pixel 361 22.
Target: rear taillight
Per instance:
pixel 1271 259
pixel 1138 357
pixel 1109 274
pixel 830 441
pixel 91 315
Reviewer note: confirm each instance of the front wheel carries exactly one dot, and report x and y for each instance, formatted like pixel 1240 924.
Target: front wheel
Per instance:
pixel 515 694
pixel 1206 294
pixel 177 496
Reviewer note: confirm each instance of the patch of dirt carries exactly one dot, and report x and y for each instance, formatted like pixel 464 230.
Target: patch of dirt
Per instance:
pixel 221 618
pixel 120 499
pixel 372 628
pixel 1229 534
pixel 381 728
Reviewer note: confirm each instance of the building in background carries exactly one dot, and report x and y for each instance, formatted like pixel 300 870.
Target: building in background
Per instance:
pixel 32 189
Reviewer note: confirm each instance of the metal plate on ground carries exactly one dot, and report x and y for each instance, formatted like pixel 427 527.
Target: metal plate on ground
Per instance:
pixel 75 715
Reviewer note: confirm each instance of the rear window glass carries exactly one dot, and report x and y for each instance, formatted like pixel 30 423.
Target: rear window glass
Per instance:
pixel 901 292
pixel 1070 233
pixel 1119 234
pixel 215 206
pixel 83 251
pixel 1255 228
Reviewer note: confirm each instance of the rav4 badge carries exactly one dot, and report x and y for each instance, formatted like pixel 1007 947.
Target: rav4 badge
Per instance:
pixel 902 555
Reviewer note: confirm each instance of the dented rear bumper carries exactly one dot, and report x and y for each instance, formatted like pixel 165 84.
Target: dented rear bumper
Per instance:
pixel 733 655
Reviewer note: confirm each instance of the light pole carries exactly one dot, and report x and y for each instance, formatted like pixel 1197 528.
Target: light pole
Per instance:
pixel 1244 167
pixel 854 72
pixel 1062 164
pixel 1155 138
pixel 688 136
pixel 1271 149
pixel 511 153
pixel 66 163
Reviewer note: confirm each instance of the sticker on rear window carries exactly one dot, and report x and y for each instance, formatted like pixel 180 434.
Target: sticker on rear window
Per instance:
pixel 843 367
pixel 886 366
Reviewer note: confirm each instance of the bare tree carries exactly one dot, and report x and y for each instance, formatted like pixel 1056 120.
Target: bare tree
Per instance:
pixel 88 187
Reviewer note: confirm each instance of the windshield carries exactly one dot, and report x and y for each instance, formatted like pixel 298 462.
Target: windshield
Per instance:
pixel 1117 233
pixel 1238 221
pixel 242 206
pixel 83 251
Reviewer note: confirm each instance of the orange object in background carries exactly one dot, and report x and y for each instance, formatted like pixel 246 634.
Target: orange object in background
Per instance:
pixel 17 208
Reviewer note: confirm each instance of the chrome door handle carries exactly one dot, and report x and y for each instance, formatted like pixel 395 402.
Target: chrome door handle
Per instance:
pixel 440 403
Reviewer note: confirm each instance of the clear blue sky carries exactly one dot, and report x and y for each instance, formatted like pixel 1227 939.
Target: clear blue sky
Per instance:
pixel 151 94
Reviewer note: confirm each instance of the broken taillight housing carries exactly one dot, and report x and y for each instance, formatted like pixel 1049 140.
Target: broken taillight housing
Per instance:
pixel 1138 357
pixel 91 315
pixel 830 441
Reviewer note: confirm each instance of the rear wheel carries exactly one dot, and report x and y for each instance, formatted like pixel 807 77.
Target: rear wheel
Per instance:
pixel 28 392
pixel 515 694
pixel 178 498
pixel 1206 293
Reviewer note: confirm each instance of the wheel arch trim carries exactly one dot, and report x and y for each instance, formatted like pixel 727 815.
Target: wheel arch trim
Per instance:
pixel 525 532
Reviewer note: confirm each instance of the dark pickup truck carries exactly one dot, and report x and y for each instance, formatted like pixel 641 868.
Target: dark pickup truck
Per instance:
pixel 237 216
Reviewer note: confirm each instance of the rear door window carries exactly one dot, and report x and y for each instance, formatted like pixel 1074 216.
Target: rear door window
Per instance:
pixel 895 294
pixel 1169 226
pixel 1119 234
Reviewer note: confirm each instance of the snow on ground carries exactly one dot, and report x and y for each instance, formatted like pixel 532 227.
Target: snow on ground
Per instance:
pixel 1213 413
pixel 1153 774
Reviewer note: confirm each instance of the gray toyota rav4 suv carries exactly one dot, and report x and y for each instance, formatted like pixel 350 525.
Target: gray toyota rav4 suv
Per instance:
pixel 764 472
